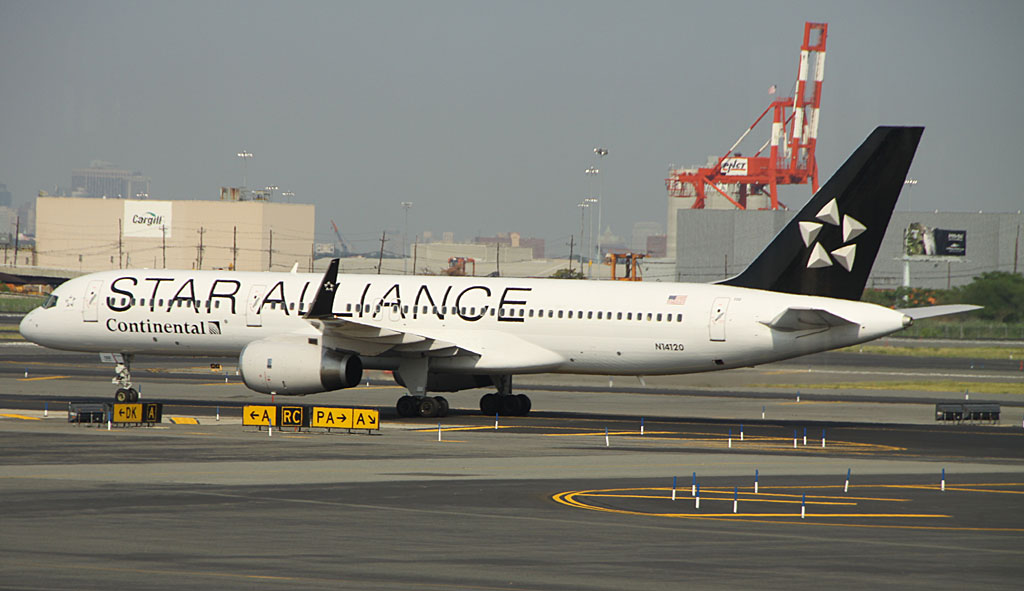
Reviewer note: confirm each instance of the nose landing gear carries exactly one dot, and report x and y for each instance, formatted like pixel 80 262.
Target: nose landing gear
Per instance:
pixel 123 379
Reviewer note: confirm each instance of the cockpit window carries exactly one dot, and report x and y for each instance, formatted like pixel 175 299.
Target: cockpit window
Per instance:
pixel 50 301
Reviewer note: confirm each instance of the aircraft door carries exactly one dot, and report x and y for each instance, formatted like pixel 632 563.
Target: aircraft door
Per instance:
pixel 716 323
pixel 252 306
pixel 91 303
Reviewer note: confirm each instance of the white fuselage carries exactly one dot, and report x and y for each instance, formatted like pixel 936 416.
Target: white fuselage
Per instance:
pixel 512 325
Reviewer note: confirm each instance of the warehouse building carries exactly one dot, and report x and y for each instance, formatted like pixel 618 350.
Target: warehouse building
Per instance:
pixel 712 245
pixel 89 234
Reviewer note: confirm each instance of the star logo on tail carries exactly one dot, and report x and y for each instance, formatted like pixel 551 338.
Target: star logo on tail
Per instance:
pixel 820 257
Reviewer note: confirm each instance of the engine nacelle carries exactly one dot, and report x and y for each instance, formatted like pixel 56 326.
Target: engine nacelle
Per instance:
pixel 297 368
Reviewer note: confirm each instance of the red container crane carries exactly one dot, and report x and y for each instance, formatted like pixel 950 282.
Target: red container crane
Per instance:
pixel 794 136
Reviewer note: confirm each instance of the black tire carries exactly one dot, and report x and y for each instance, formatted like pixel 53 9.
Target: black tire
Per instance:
pixel 429 407
pixel 133 395
pixel 443 404
pixel 122 395
pixel 525 403
pixel 407 407
pixel 511 406
pixel 489 404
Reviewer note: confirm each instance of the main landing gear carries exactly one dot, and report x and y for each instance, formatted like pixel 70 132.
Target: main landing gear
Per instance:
pixel 422 406
pixel 123 380
pixel 504 402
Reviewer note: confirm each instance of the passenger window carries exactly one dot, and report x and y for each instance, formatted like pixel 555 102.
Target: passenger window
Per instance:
pixel 216 303
pixel 559 313
pixel 629 316
pixel 679 317
pixel 599 316
pixel 531 312
pixel 620 316
pixel 570 313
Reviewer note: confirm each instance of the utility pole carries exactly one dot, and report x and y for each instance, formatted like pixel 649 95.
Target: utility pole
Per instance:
pixel 120 232
pixel 497 256
pixel 234 248
pixel 163 242
pixel 405 239
pixel 17 230
pixel 199 253
pixel 270 252
pixel 571 244
pixel 380 258
pixel 415 251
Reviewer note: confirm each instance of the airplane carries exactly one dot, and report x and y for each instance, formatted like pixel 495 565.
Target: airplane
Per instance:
pixel 298 333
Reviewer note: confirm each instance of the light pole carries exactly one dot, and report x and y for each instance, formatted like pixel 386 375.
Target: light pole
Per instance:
pixel 909 183
pixel 288 195
pixel 590 201
pixel 245 156
pixel 601 153
pixel 583 205
pixel 405 239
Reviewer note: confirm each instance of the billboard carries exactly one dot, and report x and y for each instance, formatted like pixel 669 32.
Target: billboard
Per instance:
pixel 922 241
pixel 147 219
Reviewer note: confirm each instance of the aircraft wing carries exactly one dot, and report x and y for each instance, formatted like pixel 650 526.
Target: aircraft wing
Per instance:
pixel 795 318
pixel 484 350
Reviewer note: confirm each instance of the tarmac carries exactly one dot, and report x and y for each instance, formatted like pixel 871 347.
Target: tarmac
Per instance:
pixel 574 496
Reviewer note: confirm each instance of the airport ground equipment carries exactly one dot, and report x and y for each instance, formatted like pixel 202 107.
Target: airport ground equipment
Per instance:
pixel 960 412
pixel 794 136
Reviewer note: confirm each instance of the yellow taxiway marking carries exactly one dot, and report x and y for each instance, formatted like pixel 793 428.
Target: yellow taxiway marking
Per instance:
pixel 22 417
pixel 184 420
pixel 42 378
pixel 575 499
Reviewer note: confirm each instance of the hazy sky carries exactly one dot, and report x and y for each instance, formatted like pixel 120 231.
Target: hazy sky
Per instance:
pixel 485 114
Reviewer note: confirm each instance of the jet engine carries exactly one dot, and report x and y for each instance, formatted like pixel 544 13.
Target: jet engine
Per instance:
pixel 297 368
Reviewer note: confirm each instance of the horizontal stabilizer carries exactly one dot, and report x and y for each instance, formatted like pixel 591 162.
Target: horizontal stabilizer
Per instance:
pixel 793 319
pixel 935 311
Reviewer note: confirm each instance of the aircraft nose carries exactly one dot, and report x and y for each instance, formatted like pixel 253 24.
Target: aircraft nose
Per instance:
pixel 29 326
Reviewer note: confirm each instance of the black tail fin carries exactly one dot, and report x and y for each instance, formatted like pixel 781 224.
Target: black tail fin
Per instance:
pixel 829 247
pixel 323 301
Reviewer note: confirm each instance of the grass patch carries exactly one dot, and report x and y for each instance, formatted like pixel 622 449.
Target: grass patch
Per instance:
pixel 980 352
pixel 9 333
pixel 949 386
pixel 19 304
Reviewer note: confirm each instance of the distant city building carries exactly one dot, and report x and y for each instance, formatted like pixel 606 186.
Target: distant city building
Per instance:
pixel 641 231
pixel 102 179
pixel 5 196
pixel 657 245
pixel 514 240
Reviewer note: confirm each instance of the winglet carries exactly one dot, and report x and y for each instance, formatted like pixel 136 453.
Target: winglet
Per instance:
pixel 323 301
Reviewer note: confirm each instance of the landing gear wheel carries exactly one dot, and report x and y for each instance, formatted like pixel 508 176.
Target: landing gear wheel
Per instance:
pixel 133 395
pixel 442 406
pixel 511 406
pixel 489 404
pixel 407 407
pixel 428 407
pixel 122 395
pixel 525 403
